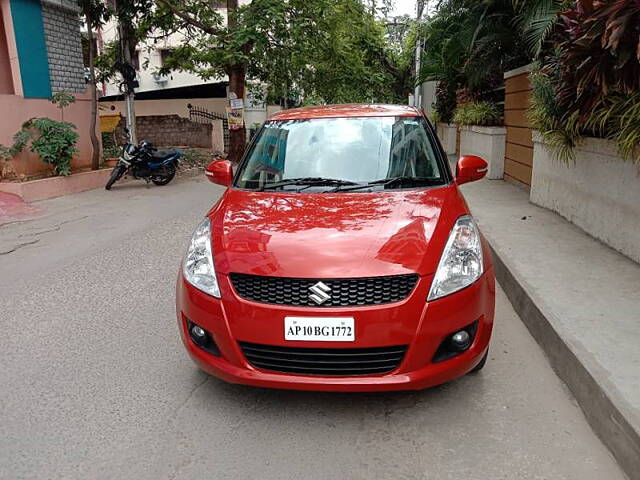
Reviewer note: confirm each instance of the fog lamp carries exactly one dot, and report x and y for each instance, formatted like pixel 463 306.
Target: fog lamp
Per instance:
pixel 461 340
pixel 198 331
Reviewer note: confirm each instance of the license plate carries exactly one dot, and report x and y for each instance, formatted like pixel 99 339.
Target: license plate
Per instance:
pixel 327 329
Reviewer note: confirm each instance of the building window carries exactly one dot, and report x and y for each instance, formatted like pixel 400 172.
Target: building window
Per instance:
pixel 85 48
pixel 165 53
pixel 136 60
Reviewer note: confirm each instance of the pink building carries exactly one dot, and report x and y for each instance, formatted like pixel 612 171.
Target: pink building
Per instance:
pixel 41 54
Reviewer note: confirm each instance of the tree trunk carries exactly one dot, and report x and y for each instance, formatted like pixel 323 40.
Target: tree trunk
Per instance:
pixel 237 74
pixel 95 152
pixel 238 137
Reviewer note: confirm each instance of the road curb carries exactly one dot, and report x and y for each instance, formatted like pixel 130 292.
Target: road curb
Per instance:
pixel 607 411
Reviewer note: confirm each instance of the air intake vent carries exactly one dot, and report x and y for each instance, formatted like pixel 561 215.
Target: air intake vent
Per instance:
pixel 324 361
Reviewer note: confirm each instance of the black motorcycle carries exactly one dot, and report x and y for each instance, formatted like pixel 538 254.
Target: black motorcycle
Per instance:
pixel 145 162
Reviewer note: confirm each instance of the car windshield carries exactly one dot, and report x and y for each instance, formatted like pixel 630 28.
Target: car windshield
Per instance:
pixel 335 154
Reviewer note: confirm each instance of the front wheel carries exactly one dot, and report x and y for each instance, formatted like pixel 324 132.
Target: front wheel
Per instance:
pixel 168 172
pixel 482 363
pixel 116 173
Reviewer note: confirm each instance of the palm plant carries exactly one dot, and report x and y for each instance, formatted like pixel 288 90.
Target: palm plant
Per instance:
pixel 494 46
pixel 468 46
pixel 537 19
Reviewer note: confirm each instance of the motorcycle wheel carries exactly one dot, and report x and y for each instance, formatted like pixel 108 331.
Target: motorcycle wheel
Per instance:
pixel 167 175
pixel 116 173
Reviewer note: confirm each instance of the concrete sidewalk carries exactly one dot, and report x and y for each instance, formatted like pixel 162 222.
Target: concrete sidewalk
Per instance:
pixel 579 299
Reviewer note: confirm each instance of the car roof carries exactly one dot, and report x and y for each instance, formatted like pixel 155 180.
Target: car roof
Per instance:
pixel 346 110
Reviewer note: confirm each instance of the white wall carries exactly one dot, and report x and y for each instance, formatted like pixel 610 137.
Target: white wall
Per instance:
pixel 448 134
pixel 150 52
pixel 598 192
pixel 164 107
pixel 485 142
pixel 428 96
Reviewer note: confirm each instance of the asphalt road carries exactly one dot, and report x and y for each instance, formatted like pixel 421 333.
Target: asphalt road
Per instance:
pixel 94 382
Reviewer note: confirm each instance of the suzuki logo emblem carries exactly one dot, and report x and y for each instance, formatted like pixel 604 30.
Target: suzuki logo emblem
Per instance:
pixel 319 293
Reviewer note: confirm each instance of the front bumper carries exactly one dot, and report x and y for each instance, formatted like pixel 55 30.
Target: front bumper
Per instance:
pixel 414 322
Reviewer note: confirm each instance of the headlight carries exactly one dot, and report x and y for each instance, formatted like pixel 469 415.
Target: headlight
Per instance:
pixel 128 151
pixel 461 263
pixel 198 267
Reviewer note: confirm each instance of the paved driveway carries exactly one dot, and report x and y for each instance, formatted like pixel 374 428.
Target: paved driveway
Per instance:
pixel 94 382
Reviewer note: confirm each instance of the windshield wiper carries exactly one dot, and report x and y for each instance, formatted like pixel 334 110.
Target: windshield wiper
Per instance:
pixel 308 181
pixel 426 181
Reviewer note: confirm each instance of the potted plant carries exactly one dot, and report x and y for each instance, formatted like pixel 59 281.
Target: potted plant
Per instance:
pixel 482 134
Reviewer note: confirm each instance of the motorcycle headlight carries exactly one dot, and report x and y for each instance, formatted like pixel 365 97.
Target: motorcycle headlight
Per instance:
pixel 461 262
pixel 128 151
pixel 197 266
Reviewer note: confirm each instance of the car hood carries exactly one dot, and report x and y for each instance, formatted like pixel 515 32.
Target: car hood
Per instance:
pixel 333 235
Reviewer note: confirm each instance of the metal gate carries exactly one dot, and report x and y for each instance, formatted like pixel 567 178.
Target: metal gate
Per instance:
pixel 202 115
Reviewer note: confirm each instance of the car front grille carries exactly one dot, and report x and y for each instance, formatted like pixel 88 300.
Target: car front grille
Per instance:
pixel 324 361
pixel 344 292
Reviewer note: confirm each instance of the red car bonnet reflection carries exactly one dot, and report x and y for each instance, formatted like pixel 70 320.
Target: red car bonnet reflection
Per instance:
pixel 347 235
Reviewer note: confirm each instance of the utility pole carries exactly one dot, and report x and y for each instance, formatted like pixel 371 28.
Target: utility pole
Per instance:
pixel 128 73
pixel 237 75
pixel 417 97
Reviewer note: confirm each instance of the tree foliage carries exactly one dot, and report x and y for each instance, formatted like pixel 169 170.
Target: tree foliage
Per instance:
pixel 321 51
pixel 132 16
pixel 478 113
pixel 469 44
pixel 536 20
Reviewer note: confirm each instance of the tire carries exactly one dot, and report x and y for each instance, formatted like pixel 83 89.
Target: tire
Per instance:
pixel 116 174
pixel 166 177
pixel 480 366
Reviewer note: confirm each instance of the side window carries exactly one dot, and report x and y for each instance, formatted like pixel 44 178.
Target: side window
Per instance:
pixel 411 151
pixel 268 156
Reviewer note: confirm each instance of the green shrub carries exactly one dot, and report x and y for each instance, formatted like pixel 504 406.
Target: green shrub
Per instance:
pixel 589 82
pixel 600 53
pixel 560 132
pixel 109 147
pixel 445 104
pixel 194 158
pixel 615 117
pixel 5 152
pixel 54 142
pixel 478 113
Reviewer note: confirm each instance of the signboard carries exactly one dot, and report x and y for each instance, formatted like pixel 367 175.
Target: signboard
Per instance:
pixel 255 103
pixel 236 103
pixel 235 118
pixel 108 123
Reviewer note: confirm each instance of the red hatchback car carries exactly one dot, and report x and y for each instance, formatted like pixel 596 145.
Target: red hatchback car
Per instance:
pixel 342 256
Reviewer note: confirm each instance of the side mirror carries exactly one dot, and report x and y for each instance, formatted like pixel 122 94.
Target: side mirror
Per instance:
pixel 470 168
pixel 220 172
